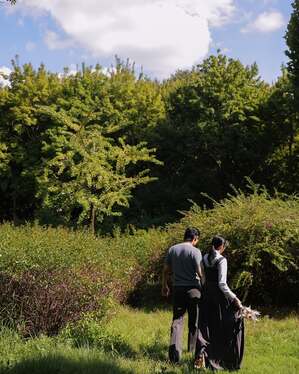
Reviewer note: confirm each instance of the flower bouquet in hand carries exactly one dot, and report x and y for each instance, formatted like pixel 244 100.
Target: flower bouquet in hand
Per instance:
pixel 248 313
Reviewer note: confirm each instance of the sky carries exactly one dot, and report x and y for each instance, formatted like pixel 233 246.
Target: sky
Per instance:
pixel 160 36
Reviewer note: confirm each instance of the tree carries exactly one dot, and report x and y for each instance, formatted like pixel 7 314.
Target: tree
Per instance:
pixel 91 173
pixel 292 154
pixel 292 40
pixel 214 134
pixel 281 168
pixel 21 132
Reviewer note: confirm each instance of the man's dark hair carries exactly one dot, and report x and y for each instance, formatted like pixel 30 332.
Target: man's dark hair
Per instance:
pixel 190 234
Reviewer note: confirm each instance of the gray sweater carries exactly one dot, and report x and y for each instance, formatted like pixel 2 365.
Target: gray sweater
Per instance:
pixel 184 260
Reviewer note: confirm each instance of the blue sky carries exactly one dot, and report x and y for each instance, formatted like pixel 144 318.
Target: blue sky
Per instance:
pixel 160 35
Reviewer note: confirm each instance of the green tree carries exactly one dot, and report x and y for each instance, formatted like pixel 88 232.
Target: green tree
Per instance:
pixel 214 134
pixel 281 169
pixel 91 173
pixel 290 154
pixel 122 105
pixel 21 131
pixel 292 40
pixel 40 115
pixel 133 106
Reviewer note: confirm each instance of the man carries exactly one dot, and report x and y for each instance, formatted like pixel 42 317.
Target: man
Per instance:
pixel 184 262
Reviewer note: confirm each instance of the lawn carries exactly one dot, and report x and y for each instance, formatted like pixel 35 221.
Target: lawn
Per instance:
pixel 135 341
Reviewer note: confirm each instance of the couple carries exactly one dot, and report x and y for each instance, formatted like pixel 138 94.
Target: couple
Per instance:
pixel 216 329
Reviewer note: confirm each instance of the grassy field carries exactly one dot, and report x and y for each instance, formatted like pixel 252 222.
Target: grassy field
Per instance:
pixel 135 341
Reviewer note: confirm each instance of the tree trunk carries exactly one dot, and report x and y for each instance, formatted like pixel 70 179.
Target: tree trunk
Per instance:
pixel 92 219
pixel 14 206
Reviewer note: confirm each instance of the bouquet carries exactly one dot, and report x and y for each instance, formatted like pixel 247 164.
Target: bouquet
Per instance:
pixel 248 313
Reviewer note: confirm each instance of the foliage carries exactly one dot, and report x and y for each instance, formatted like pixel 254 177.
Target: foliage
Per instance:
pixel 50 277
pixel 21 134
pixel 43 301
pixel 92 175
pixel 80 149
pixel 73 134
pixel 62 137
pixel 292 40
pixel 40 266
pixel 281 166
pixel 214 131
pixel 263 234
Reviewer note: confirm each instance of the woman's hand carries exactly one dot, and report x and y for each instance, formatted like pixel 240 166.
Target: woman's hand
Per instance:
pixel 237 303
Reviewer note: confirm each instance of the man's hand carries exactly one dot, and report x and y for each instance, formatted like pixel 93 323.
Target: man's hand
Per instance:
pixel 165 290
pixel 165 276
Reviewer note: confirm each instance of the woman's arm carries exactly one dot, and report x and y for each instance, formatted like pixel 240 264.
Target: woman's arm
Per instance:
pixel 222 280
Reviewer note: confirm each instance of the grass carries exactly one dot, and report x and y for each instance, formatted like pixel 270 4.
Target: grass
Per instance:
pixel 272 346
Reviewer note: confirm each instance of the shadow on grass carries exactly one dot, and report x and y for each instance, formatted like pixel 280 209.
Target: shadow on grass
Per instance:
pixel 148 298
pixel 61 365
pixel 155 351
pixel 112 345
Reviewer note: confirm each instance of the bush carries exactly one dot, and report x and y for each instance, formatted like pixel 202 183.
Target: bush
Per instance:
pixel 49 277
pixel 264 243
pixel 42 301
pixel 52 277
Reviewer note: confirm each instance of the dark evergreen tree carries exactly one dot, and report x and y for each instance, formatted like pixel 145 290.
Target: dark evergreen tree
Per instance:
pixel 292 40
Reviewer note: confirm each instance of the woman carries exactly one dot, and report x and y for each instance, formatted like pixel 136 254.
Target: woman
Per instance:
pixel 220 321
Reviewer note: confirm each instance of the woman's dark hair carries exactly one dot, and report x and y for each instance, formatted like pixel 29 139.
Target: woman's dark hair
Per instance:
pixel 190 234
pixel 217 241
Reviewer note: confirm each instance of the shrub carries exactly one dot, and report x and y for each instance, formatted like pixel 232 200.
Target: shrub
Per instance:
pixel 52 277
pixel 44 301
pixel 49 277
pixel 264 243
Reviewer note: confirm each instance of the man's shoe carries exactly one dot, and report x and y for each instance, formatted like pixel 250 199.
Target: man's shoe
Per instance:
pixel 199 362
pixel 173 354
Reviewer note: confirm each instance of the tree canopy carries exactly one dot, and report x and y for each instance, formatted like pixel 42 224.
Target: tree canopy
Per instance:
pixel 112 148
pixel 292 40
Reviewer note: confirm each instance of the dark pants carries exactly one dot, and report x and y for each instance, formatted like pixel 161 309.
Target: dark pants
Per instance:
pixel 184 299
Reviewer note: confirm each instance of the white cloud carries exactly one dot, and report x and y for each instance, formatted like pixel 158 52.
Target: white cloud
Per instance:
pixel 54 41
pixel 161 35
pixel 30 46
pixel 4 75
pixel 266 22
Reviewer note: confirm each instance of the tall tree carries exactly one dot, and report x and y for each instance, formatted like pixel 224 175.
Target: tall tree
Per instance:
pixel 21 130
pixel 90 173
pixel 40 118
pixel 292 40
pixel 213 135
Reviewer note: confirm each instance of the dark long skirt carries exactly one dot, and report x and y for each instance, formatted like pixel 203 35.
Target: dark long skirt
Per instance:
pixel 223 329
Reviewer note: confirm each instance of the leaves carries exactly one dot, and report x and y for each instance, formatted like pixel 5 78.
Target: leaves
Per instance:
pixel 72 143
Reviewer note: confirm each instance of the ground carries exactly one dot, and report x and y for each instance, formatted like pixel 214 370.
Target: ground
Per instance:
pixel 136 341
